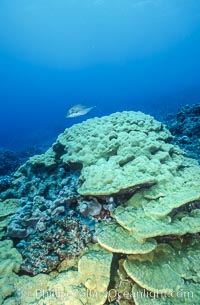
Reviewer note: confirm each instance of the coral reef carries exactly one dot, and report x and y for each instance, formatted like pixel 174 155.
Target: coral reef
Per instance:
pixel 10 261
pixel 118 240
pixel 63 238
pixel 172 274
pixel 99 260
pixel 8 207
pixel 167 269
pixel 52 222
pixel 47 231
pixel 5 182
pixel 80 285
pixel 120 183
pixel 28 289
pixel 110 148
pixel 185 127
pixel 11 160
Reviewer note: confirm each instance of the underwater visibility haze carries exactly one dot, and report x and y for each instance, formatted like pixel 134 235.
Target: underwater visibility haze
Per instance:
pixel 115 55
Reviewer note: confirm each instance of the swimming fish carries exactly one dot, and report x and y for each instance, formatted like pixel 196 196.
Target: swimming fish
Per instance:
pixel 78 110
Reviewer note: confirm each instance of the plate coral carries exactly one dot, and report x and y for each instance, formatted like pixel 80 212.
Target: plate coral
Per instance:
pixel 110 214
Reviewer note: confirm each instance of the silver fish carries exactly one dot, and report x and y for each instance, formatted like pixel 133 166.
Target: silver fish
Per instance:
pixel 78 110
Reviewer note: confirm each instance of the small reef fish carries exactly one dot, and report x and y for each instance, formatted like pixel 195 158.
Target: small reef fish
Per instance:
pixel 78 110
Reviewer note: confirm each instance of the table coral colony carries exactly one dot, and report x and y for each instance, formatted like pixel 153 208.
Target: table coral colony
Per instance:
pixel 112 206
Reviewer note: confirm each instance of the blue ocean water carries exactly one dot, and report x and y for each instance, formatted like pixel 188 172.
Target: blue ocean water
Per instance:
pixel 117 55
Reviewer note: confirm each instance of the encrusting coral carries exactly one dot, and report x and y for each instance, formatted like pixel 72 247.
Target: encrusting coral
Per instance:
pixel 8 207
pixel 123 172
pixel 10 261
pixel 116 239
pixel 81 285
pixel 167 269
pixel 111 148
pixel 170 274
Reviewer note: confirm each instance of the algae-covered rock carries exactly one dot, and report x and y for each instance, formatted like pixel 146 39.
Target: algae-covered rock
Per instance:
pixel 116 239
pixel 35 177
pixel 167 268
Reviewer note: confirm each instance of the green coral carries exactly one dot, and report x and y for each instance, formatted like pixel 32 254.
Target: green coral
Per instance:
pixel 85 286
pixel 108 177
pixel 171 207
pixel 100 261
pixel 112 148
pixel 10 261
pixel 126 150
pixel 36 162
pixel 145 227
pixel 126 154
pixel 7 208
pixel 154 272
pixel 165 205
pixel 116 239
pixel 170 274
pixel 30 289
pixel 190 295
pixel 122 291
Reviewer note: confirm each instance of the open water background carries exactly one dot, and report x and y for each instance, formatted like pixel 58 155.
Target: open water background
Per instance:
pixel 117 55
